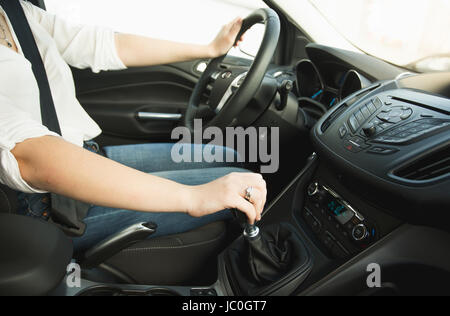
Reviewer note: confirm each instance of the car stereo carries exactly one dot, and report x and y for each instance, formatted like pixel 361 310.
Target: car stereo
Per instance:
pixel 340 228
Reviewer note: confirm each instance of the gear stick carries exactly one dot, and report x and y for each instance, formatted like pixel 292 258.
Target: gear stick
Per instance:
pixel 250 231
pixel 261 258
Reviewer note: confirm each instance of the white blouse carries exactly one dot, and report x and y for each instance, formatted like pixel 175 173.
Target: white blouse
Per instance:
pixel 60 44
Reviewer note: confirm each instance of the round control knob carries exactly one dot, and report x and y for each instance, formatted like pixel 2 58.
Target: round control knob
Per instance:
pixel 313 189
pixel 370 130
pixel 359 232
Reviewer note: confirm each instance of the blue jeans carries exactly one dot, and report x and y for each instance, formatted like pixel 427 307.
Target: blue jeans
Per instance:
pixel 155 159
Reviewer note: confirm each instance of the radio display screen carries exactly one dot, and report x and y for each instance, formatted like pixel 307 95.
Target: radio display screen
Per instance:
pixel 337 209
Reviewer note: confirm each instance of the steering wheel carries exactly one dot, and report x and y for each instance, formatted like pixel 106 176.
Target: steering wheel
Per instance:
pixel 232 92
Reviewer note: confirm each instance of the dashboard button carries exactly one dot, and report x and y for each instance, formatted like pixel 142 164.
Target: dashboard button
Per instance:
pixel 382 150
pixel 358 141
pixel 425 126
pixel 338 251
pixel 393 140
pixel 402 128
pixel 359 232
pixel 404 135
pixel 328 241
pixel 370 130
pixel 365 111
pixel 371 107
pixel 384 116
pixel 386 125
pixel 414 130
pixel 391 133
pixel 353 122
pixel 406 114
pixel 355 144
pixel 429 121
pixel 360 117
pixel 377 102
pixel 377 150
pixel 343 131
pixel 315 225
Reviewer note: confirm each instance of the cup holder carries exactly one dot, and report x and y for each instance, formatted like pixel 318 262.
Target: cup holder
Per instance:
pixel 112 291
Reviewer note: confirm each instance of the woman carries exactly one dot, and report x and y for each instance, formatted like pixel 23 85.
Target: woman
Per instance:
pixel 35 161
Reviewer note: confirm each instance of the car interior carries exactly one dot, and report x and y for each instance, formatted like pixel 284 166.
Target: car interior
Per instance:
pixel 363 179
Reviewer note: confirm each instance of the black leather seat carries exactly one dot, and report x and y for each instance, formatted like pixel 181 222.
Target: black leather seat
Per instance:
pixel 170 260
pixel 8 200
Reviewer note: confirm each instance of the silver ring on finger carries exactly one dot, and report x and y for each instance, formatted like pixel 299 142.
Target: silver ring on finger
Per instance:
pixel 248 194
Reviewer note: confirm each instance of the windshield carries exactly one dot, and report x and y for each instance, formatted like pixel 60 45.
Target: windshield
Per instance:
pixel 412 34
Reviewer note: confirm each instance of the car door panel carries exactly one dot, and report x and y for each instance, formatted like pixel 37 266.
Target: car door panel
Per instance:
pixel 116 99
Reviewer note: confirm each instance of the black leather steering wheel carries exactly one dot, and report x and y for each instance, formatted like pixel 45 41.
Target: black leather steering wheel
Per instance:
pixel 242 87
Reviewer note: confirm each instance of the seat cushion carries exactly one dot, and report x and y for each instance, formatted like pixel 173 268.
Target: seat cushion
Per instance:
pixel 182 259
pixel 8 200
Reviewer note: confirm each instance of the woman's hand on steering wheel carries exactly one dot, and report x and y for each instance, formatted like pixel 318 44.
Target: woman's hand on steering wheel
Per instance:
pixel 229 192
pixel 226 38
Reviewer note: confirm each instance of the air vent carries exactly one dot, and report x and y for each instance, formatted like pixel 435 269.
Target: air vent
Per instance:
pixel 432 166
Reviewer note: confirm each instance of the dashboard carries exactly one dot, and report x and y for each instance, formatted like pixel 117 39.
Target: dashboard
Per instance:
pixel 329 87
pixel 394 141
pixel 383 141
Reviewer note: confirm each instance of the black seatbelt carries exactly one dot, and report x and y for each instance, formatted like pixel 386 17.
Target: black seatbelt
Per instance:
pixel 66 213
pixel 19 22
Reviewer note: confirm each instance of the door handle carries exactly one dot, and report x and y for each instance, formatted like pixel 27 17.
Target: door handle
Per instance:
pixel 159 116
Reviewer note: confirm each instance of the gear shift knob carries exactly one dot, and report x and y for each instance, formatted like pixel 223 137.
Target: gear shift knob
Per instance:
pixel 250 231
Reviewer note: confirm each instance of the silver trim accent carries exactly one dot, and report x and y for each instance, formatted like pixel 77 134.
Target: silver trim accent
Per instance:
pixel 354 143
pixel 337 196
pixel 251 231
pixel 227 95
pixel 316 188
pixel 201 66
pixel 215 75
pixel 278 74
pixel 365 234
pixel 159 116
pixel 404 75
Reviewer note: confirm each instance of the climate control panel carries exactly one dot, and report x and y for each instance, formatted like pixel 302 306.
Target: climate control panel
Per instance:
pixel 338 226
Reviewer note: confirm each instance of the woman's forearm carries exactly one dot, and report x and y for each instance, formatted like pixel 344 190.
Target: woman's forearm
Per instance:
pixel 51 164
pixel 137 51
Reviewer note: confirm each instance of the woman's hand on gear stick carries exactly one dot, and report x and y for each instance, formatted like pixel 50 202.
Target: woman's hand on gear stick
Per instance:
pixel 229 192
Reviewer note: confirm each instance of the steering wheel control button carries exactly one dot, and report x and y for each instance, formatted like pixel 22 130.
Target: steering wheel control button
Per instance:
pixel 226 75
pixel 359 232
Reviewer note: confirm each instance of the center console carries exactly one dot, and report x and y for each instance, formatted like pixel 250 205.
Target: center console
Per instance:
pixel 336 223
